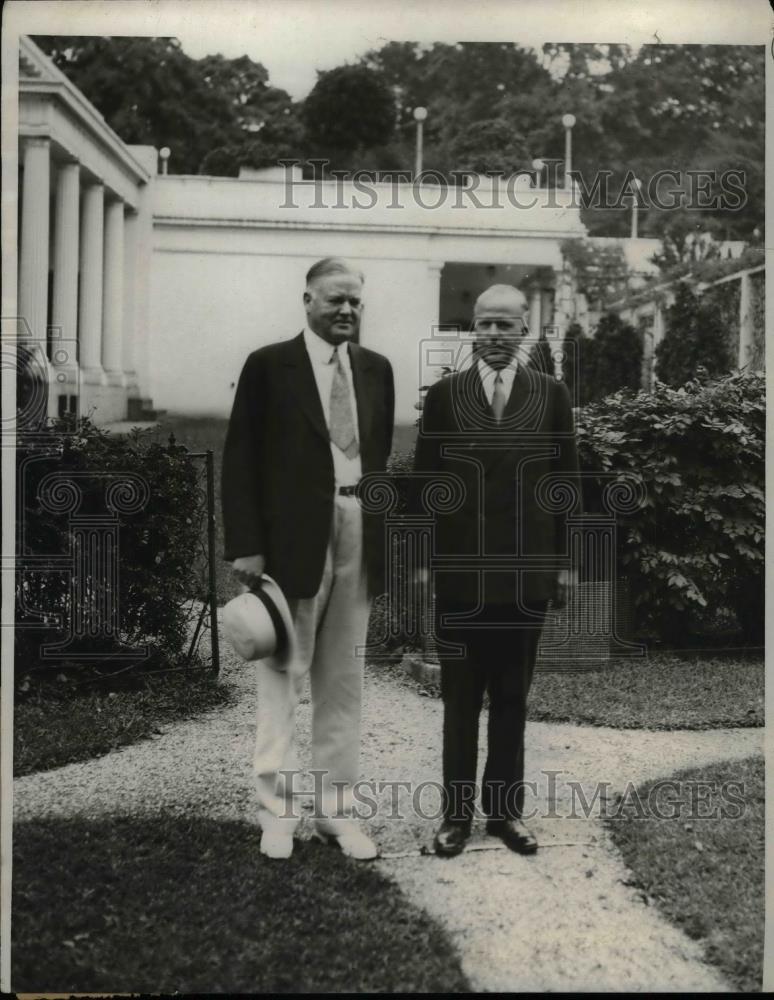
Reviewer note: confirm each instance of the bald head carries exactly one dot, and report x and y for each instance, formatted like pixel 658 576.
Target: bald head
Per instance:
pixel 503 299
pixel 499 324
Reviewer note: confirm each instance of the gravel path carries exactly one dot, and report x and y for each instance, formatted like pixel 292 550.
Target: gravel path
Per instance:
pixel 562 920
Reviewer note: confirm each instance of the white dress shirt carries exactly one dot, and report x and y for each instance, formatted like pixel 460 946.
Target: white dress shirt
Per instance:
pixel 347 471
pixel 488 375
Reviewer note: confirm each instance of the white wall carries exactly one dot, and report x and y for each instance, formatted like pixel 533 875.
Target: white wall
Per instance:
pixel 227 276
pixel 209 311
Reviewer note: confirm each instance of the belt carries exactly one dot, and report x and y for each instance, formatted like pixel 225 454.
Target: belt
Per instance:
pixel 347 491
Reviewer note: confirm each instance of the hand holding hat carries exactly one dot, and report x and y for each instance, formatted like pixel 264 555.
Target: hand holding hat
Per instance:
pixel 260 626
pixel 249 570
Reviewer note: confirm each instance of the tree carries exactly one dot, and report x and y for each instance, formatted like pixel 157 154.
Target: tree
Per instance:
pixel 687 238
pixel 695 338
pixel 617 356
pixel 464 86
pixel 491 146
pixel 349 108
pixel 600 269
pixel 149 91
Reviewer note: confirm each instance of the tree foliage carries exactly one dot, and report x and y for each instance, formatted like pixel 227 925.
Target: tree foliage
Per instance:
pixel 599 269
pixel 349 108
pixel 615 358
pixel 695 545
pixel 149 91
pixel 695 338
pixel 490 105
pixel 611 360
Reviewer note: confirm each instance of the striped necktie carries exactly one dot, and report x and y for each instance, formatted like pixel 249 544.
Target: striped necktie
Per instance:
pixel 342 425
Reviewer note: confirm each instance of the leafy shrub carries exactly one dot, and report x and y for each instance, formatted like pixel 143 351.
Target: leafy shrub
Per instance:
pixel 160 524
pixel 697 542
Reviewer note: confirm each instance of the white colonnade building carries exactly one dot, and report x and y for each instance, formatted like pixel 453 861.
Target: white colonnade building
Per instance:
pixel 138 286
pixel 84 235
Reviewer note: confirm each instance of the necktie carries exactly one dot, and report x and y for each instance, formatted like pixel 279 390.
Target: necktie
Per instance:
pixel 342 426
pixel 498 398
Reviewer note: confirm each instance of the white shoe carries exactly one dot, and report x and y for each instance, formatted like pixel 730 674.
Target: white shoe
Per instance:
pixel 277 843
pixel 348 836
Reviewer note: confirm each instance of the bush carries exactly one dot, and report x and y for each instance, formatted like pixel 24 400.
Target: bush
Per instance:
pixel 696 544
pixel 76 481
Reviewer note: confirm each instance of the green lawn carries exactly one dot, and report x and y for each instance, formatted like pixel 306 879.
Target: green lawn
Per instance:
pixel 660 692
pixel 58 725
pixel 707 874
pixel 167 904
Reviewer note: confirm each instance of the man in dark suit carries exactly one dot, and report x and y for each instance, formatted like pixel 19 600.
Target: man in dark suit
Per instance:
pixel 310 417
pixel 505 432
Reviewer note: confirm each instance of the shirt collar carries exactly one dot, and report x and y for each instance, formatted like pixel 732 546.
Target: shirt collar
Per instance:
pixel 320 350
pixel 488 374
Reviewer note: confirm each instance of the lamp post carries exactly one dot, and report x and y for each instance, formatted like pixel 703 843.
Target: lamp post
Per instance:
pixel 537 166
pixel 420 114
pixel 568 121
pixel 635 207
pixel 164 154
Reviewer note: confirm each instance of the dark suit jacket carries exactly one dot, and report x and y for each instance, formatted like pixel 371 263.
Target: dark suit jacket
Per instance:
pixel 278 481
pixel 508 512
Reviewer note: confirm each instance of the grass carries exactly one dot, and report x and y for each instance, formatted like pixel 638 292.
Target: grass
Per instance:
pixel 662 692
pixel 56 725
pixel 707 875
pixel 166 904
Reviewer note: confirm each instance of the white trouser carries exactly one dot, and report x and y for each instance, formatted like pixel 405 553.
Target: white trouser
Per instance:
pixel 331 629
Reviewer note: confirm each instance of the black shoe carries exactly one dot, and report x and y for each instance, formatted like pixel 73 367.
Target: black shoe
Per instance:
pixel 514 834
pixel 451 838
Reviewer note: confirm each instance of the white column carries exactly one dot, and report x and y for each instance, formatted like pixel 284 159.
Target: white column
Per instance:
pixel 745 321
pixel 90 304
pixel 64 307
pixel 534 312
pixel 33 269
pixel 131 235
pixel 113 293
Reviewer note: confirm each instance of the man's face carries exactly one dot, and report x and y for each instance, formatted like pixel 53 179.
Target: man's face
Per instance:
pixel 333 307
pixel 498 328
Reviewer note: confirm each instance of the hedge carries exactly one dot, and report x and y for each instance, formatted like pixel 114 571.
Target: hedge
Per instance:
pixel 696 544
pixel 693 553
pixel 73 473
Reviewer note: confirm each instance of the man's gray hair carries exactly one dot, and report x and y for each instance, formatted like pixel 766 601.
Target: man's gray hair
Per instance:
pixel 331 265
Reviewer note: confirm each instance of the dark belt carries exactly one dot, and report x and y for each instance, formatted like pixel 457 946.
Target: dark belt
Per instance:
pixel 347 491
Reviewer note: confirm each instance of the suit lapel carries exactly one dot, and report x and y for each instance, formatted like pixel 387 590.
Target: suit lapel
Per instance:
pixel 475 413
pixel 304 386
pixel 521 389
pixel 365 388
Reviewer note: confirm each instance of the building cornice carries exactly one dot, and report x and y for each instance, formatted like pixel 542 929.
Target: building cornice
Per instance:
pixel 50 83
pixel 354 227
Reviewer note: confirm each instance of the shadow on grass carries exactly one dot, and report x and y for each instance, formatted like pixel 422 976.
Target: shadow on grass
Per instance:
pixel 165 904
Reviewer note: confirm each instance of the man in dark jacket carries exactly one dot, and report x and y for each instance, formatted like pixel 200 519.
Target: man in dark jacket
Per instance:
pixel 311 416
pixel 504 433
